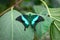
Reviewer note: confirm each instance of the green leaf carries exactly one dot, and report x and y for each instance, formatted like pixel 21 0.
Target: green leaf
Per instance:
pixel 54 31
pixel 42 27
pixel 55 12
pixel 55 26
pixel 10 29
pixel 40 9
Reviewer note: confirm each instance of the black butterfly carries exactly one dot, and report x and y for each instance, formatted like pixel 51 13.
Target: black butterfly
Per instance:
pixel 31 20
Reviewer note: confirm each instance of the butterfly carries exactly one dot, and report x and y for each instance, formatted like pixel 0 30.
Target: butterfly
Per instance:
pixel 31 20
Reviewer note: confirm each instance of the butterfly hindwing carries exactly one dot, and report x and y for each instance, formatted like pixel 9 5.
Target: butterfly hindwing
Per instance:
pixel 23 20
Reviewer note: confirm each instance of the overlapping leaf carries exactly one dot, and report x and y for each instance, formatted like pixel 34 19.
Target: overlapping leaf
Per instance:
pixel 10 29
pixel 55 26
pixel 42 27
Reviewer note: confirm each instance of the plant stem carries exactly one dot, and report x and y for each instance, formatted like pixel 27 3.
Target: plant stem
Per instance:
pixel 57 26
pixel 12 20
pixel 46 7
pixel 48 10
pixel 50 14
pixel 1 14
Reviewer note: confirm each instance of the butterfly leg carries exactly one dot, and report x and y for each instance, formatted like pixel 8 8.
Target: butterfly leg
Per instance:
pixel 34 29
pixel 25 29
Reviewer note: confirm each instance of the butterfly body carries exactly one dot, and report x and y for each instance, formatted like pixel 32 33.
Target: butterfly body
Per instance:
pixel 29 20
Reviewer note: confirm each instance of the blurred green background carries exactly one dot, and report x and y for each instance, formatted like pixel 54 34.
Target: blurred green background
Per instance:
pixel 26 4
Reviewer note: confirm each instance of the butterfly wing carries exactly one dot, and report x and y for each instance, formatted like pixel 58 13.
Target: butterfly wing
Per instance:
pixel 36 19
pixel 23 20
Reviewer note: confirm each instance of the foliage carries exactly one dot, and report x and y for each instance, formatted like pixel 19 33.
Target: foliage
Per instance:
pixel 10 29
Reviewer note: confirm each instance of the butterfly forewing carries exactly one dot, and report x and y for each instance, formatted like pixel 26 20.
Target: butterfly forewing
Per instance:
pixel 35 20
pixel 23 19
